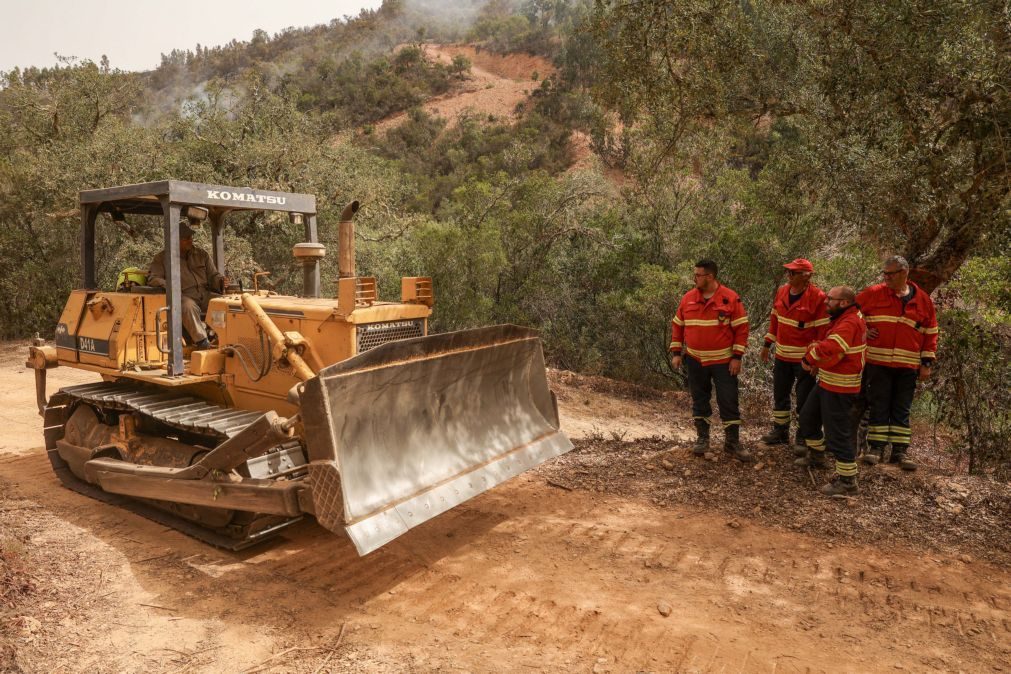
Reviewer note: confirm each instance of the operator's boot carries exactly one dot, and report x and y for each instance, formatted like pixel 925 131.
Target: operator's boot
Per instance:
pixel 873 454
pixel 732 443
pixel 701 445
pixel 900 455
pixel 812 459
pixel 840 486
pixel 779 435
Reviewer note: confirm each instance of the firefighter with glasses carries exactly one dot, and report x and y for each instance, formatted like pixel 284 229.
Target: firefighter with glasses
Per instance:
pixel 901 348
pixel 799 317
pixel 709 334
pixel 830 412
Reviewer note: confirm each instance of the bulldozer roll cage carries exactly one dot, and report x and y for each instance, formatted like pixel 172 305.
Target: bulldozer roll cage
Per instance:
pixel 169 199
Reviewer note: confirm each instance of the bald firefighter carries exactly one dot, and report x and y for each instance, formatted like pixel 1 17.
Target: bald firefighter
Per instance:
pixel 901 348
pixel 709 334
pixel 827 419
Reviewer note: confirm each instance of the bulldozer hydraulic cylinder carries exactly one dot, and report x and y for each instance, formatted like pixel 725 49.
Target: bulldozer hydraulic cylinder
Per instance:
pixel 302 369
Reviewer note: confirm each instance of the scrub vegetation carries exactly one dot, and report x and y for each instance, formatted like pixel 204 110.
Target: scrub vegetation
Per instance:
pixel 750 133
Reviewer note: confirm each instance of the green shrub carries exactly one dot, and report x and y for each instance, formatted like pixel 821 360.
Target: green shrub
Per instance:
pixel 969 389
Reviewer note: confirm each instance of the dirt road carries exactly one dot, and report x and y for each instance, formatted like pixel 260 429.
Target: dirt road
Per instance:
pixel 526 577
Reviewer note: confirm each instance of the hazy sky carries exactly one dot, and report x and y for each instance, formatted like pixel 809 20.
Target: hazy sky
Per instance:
pixel 134 33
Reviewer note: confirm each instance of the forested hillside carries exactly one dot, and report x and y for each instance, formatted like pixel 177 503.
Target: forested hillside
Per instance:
pixel 751 133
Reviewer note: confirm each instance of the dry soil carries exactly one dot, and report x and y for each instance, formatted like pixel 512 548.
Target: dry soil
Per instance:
pixel 592 563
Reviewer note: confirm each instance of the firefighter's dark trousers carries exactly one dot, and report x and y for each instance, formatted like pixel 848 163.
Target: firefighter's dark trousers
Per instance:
pixel 701 379
pixel 787 377
pixel 889 396
pixel 826 422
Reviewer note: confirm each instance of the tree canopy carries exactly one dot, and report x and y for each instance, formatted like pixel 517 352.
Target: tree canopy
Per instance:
pixel 749 132
pixel 896 115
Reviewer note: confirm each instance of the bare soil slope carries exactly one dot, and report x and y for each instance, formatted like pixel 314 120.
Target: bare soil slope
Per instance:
pixel 587 564
pixel 497 84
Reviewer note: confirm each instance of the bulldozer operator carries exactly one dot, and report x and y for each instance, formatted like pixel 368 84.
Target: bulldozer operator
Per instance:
pixel 199 281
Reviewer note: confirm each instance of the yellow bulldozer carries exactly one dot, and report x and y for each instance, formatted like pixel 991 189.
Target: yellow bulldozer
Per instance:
pixel 341 408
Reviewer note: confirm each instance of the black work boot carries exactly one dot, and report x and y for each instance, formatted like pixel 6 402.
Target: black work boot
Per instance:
pixel 873 454
pixel 900 455
pixel 779 435
pixel 732 443
pixel 701 445
pixel 799 446
pixel 812 459
pixel 841 485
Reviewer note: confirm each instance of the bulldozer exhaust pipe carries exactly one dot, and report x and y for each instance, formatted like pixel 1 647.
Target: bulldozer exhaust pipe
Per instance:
pixel 346 241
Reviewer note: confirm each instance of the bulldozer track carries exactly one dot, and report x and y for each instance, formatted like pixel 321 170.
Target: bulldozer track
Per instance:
pixel 174 409
pixel 70 481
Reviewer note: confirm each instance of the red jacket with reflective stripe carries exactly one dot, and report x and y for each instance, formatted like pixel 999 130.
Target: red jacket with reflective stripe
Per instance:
pixel 839 357
pixel 907 336
pixel 792 327
pixel 711 331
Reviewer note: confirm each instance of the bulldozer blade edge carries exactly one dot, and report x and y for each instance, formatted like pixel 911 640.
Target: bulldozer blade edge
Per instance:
pixel 406 431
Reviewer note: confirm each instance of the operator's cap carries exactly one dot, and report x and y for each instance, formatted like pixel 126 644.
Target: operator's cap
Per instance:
pixel 800 264
pixel 185 231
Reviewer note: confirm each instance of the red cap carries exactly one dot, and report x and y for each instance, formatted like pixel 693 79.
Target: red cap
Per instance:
pixel 800 264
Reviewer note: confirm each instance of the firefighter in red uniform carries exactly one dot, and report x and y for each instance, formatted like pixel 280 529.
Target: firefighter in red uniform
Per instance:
pixel 798 318
pixel 901 348
pixel 838 361
pixel 709 333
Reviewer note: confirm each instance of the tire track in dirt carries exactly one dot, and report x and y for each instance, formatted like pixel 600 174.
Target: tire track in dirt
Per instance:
pixel 501 611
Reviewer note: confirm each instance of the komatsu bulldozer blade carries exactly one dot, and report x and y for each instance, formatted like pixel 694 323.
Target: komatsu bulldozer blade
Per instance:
pixel 409 429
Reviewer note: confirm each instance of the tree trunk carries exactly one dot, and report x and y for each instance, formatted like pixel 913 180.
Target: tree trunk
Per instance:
pixel 933 269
